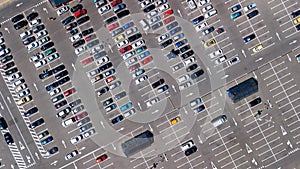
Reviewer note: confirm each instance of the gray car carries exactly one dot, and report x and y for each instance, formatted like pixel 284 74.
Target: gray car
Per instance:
pixel 117 31
pixel 78 109
pixel 154 19
pixel 175 30
pixel 157 25
pixel 83 121
pixel 100 54
pixel 86 127
pixel 172 25
pixel 115 85
pixel 120 95
pixel 93 43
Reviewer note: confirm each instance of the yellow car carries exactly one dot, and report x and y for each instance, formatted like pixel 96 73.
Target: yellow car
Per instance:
pixel 210 43
pixel 119 38
pixel 257 48
pixel 175 120
pixel 24 100
pixel 297 20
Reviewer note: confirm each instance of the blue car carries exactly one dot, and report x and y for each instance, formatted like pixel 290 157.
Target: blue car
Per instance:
pixel 236 8
pixel 47 140
pixel 200 108
pixel 119 7
pixel 117 119
pixel 180 43
pixel 143 55
pixel 126 107
pixel 235 15
pixel 128 25
pixel 198 19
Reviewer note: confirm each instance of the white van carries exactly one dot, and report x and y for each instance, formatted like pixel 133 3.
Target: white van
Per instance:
pixel 219 120
pixel 191 4
pixel 145 25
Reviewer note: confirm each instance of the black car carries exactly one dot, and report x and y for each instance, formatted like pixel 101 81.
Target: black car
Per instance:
pixel 36 123
pixel 83 20
pixel 198 19
pixel 252 14
pixel 166 43
pixel 2 47
pixel 187 54
pixel 149 8
pixel 171 25
pixel 134 37
pixel 6 59
pixel 11 71
pixel 61 74
pixel 53 150
pixel 295 14
pixel 45 74
pixel 38 28
pixel 197 74
pixel 78 43
pixel 298 27
pixel 110 20
pixel 17 18
pixel 249 38
pixel 157 83
pixel 31 16
pixel 75 103
pixel 3 124
pixel 185 48
pixel 107 102
pixel 68 20
pixel 190 151
pixel 20 24
pixel 255 102
pixel 71 26
pixel 47 46
pixel 117 119
pixel 52 86
pixel 76 8
pixel 60 104
pixel 123 14
pixel 8 65
pixel 192 67
pixel 31 111
pixel 74 31
pixel 106 66
pixel 173 53
pixel 87 31
pixel 8 138
pixel 64 80
pixel 29 40
pixel 103 90
pixel 58 68
pixel 43 134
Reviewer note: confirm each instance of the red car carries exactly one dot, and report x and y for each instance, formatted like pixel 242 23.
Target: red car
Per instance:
pixel 168 20
pixel 168 12
pixel 113 26
pixel 101 158
pixel 87 60
pixel 125 49
pixel 81 116
pixel 90 37
pixel 147 60
pixel 80 13
pixel 115 2
pixel 70 91
pixel 134 67
pixel 110 79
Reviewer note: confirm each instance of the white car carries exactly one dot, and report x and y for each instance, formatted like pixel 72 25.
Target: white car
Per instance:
pixel 71 155
pixel 201 26
pixel 40 63
pixel 32 46
pixel 55 91
pixel 163 37
pixel 191 4
pixel 138 44
pixel 221 59
pixel 128 55
pixel 41 34
pixel 62 10
pixel 89 133
pixel 210 13
pixel 23 93
pixel 52 57
pixel 141 79
pixel 152 101
pixel 34 22
pixel 15 76
pixel 187 145
pixel 131 61
pixel 43 40
pixel 249 7
pixel 160 2
pixel 163 8
pixel 146 3
pixel 129 113
pixel 152 13
pixel 233 60
pixel 104 9
pixel 183 78
pixel 17 83
pixel 102 60
pixel 207 8
pixel 4 52
pixel 25 34
pixel 76 139
pixel 79 50
pixel 144 24
pixel 68 122
pixel 1 40
pixel 185 85
pixel 203 2
pixel 190 60
pixel 121 44
pixel 76 37
pixel 93 72
pixel 216 53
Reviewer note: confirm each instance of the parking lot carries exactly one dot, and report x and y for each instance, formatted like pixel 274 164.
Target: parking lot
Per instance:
pixel 82 79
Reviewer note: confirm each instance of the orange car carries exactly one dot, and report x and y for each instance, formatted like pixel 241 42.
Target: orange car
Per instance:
pixel 80 13
pixel 110 79
pixel 101 158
